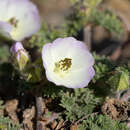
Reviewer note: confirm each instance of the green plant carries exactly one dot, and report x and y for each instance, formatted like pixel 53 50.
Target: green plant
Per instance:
pixel 78 103
pixel 6 123
pixel 101 122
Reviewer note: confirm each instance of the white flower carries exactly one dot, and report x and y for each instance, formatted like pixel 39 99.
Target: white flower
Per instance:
pixel 68 62
pixel 22 15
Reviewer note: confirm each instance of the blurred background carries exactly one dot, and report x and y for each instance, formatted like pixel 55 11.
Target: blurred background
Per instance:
pixel 106 33
pixel 102 41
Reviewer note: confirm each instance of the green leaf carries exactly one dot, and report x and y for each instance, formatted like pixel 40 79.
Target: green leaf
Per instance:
pixel 78 103
pixel 119 79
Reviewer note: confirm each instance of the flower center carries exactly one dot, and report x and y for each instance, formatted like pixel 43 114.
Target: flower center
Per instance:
pixel 63 66
pixel 13 21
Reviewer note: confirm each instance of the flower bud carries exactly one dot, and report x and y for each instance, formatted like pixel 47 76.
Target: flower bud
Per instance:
pixel 20 54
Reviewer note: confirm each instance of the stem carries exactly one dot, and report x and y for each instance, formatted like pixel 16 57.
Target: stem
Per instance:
pixel 39 106
pixel 85 117
pixel 88 36
pixel 78 121
pixel 40 111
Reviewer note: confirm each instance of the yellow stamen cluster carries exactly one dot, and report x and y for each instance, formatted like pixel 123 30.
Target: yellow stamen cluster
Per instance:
pixel 13 21
pixel 63 66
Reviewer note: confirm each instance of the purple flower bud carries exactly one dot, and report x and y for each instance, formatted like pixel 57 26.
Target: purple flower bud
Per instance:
pixel 68 62
pixel 20 54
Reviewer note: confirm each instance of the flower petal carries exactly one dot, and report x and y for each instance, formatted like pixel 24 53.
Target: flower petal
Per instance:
pixel 81 58
pixel 5 30
pixel 79 79
pixel 47 55
pixel 61 47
